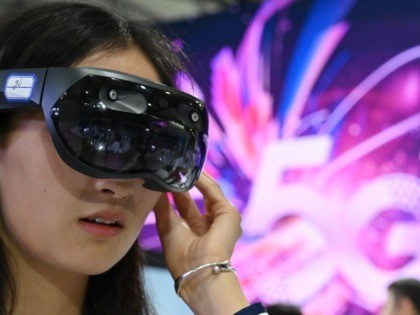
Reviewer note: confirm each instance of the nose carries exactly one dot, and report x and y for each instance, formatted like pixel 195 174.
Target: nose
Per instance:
pixel 115 188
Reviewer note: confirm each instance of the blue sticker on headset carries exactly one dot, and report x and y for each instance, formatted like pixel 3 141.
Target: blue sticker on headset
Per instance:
pixel 19 87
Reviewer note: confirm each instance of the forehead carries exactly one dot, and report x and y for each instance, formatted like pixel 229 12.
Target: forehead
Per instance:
pixel 131 60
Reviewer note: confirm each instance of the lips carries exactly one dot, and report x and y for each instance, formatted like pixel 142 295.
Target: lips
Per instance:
pixel 101 221
pixel 103 224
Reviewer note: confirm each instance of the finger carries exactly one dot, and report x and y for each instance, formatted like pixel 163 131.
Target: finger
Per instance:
pixel 186 206
pixel 189 211
pixel 210 188
pixel 212 193
pixel 164 214
pixel 216 202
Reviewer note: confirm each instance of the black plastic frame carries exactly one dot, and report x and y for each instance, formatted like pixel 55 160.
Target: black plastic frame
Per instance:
pixel 50 84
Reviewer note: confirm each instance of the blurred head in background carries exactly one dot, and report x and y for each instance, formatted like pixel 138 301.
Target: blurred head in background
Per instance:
pixel 403 298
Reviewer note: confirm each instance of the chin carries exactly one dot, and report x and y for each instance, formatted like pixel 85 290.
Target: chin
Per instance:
pixel 97 271
pixel 101 267
pixel 96 266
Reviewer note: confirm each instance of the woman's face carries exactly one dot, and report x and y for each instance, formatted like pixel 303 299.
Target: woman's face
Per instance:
pixel 49 209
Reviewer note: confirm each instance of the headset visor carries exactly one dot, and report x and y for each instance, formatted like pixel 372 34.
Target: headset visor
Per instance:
pixel 107 124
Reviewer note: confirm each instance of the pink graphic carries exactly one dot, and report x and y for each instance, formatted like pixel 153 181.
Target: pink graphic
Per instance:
pixel 328 219
pixel 327 178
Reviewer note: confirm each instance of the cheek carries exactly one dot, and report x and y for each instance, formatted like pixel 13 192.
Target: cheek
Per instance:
pixel 23 203
pixel 144 204
pixel 31 195
pixel 31 231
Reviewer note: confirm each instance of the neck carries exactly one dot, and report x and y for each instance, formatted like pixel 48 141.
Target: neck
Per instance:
pixel 46 291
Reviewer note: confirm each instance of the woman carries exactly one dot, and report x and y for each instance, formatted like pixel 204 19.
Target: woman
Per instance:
pixel 85 156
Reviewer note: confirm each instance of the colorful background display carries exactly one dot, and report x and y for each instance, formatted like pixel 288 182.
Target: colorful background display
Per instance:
pixel 315 137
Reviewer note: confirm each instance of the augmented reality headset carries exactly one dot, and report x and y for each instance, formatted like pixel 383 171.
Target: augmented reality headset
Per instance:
pixel 108 124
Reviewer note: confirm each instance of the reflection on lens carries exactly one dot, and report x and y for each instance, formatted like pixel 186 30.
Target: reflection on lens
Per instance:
pixel 105 139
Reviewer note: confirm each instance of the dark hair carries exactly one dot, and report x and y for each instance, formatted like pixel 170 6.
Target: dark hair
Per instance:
pixel 61 34
pixel 283 309
pixel 408 288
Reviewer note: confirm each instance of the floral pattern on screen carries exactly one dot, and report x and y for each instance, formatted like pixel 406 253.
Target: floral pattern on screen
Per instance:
pixel 320 151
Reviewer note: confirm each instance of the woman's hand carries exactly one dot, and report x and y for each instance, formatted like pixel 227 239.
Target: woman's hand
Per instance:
pixel 191 239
